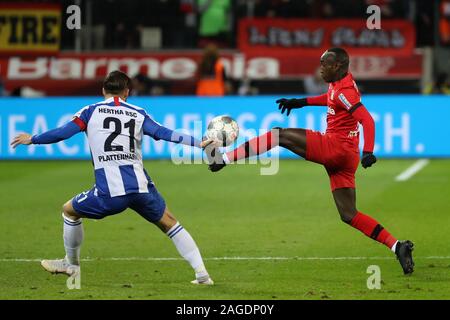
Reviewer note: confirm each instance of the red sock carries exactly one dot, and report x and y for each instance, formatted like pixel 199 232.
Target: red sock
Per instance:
pixel 253 147
pixel 371 228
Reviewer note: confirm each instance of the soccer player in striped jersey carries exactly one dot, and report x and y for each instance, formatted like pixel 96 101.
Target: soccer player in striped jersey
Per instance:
pixel 115 130
pixel 337 150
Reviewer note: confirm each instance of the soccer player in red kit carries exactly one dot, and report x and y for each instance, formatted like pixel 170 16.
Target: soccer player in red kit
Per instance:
pixel 337 150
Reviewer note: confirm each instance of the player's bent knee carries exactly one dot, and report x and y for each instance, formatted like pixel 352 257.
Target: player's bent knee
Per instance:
pixel 167 221
pixel 69 211
pixel 65 208
pixel 346 217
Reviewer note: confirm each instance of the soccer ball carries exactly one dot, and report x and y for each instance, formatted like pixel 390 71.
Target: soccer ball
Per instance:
pixel 223 129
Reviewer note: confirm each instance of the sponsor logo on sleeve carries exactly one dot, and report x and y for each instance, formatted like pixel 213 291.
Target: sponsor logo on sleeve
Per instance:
pixel 344 100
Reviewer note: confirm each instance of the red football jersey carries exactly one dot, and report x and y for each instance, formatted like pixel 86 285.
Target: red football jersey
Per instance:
pixel 342 98
pixel 345 111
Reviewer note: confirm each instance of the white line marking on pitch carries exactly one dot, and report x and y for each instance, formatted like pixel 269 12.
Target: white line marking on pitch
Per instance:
pixel 230 258
pixel 412 170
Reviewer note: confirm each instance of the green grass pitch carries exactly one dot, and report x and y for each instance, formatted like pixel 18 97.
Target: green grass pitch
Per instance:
pixel 233 213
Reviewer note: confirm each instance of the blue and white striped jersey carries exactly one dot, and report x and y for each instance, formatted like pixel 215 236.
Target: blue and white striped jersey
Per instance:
pixel 115 130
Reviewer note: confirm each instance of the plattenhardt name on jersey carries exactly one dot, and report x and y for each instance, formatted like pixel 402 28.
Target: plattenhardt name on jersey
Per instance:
pixel 115 157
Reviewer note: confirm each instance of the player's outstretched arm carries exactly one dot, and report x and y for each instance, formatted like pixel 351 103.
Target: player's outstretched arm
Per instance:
pixel 289 104
pixel 321 100
pixel 52 136
pixel 159 132
pixel 363 116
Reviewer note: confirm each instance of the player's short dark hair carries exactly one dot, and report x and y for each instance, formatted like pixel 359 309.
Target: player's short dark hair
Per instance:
pixel 116 82
pixel 341 56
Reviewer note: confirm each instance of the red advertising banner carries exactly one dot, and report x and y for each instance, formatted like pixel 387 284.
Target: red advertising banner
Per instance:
pixel 81 74
pixel 313 37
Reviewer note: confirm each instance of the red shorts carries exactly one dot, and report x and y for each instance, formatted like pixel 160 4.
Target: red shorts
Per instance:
pixel 337 153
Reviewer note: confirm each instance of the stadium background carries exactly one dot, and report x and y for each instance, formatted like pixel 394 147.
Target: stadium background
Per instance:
pixel 269 48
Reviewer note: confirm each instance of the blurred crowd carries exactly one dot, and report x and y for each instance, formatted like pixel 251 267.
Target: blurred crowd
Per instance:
pixel 135 24
pixel 195 23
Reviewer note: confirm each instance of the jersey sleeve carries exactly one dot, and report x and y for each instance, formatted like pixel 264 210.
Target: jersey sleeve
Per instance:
pixel 349 99
pixel 321 100
pixel 363 116
pixel 159 132
pixel 79 123
pixel 81 118
pixel 55 135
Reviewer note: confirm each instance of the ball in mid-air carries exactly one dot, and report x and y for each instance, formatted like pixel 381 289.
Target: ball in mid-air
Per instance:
pixel 223 129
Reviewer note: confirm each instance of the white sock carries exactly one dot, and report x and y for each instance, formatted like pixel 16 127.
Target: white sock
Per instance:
pixel 73 237
pixel 394 246
pixel 188 249
pixel 225 158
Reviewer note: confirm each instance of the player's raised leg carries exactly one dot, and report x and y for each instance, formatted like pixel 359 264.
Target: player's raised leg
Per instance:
pixel 293 139
pixel 73 237
pixel 186 246
pixel 345 199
